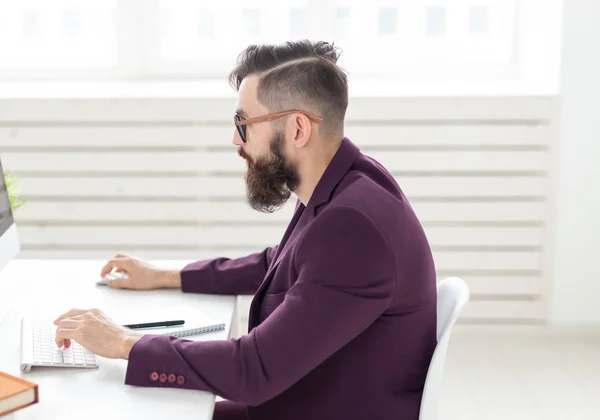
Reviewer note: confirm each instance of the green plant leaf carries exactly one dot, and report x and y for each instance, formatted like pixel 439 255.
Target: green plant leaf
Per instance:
pixel 13 191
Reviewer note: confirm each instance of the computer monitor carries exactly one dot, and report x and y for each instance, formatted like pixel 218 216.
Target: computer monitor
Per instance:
pixel 9 239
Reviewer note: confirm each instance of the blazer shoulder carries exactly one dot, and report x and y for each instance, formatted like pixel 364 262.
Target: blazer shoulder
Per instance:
pixel 348 230
pixel 368 195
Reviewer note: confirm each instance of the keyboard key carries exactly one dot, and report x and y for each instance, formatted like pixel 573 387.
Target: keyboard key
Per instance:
pixel 57 356
pixel 44 351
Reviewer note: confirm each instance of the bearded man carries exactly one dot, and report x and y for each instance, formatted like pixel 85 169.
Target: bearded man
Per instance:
pixel 343 320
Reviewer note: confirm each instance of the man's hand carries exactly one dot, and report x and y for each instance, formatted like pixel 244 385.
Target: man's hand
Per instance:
pixel 96 332
pixel 141 275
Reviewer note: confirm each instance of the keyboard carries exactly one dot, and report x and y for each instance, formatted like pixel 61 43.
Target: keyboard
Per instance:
pixel 38 348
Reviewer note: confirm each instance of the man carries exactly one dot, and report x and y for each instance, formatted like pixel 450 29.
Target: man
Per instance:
pixel 343 323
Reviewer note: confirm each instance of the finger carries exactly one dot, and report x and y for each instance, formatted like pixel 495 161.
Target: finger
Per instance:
pixel 118 284
pixel 66 343
pixel 128 256
pixel 119 263
pixel 110 263
pixel 64 336
pixel 109 266
pixel 69 323
pixel 72 312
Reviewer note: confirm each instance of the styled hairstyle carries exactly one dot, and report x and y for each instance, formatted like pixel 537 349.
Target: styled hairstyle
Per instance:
pixel 298 75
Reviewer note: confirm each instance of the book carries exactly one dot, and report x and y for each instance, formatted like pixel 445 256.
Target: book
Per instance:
pixel 16 393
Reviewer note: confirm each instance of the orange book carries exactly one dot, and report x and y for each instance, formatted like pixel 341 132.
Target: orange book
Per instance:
pixel 16 393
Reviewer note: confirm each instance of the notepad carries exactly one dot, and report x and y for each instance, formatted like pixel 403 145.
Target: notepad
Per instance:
pixel 197 321
pixel 186 330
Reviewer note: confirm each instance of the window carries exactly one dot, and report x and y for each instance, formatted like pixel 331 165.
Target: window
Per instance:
pixel 388 21
pixel 298 22
pixel 65 35
pixel 436 20
pixel 478 20
pixel 342 24
pixel 407 39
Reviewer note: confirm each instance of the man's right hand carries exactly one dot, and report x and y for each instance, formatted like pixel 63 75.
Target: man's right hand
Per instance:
pixel 141 275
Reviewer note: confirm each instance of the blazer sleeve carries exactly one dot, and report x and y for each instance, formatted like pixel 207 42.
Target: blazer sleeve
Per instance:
pixel 345 282
pixel 226 276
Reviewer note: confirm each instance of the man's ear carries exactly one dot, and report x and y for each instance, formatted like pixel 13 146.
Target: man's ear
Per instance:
pixel 301 130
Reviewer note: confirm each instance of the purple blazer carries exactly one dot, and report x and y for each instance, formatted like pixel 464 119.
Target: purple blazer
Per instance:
pixel 343 320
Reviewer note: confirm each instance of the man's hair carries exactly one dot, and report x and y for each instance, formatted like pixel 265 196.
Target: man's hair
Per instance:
pixel 298 75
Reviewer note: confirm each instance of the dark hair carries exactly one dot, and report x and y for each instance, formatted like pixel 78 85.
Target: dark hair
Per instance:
pixel 298 74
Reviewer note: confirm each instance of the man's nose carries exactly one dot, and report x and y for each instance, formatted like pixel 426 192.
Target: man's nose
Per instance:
pixel 237 140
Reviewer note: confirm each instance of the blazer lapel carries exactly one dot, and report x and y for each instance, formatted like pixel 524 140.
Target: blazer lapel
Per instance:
pixel 286 236
pixel 337 169
pixel 254 310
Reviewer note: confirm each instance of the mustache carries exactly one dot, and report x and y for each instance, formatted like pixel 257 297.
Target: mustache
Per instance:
pixel 242 153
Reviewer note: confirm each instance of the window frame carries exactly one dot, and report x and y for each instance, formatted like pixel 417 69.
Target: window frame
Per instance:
pixel 138 61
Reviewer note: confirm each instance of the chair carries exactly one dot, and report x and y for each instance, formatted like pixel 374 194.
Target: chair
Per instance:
pixel 452 295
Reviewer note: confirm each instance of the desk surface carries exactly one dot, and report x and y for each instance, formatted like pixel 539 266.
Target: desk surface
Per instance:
pixel 47 288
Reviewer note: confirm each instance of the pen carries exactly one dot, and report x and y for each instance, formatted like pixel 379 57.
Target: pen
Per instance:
pixel 156 324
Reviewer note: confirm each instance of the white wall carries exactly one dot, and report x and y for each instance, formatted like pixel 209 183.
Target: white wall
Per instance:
pixel 576 271
pixel 159 178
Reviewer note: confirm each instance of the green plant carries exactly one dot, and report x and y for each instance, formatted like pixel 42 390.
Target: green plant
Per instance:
pixel 13 191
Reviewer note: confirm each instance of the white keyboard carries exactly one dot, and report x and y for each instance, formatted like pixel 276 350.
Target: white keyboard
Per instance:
pixel 38 348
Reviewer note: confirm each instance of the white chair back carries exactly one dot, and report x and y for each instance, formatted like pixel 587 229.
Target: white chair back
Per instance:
pixel 452 295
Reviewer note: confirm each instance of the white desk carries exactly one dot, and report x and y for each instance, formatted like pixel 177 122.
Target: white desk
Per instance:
pixel 48 288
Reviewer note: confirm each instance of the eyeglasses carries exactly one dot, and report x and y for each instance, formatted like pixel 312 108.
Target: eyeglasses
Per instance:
pixel 241 123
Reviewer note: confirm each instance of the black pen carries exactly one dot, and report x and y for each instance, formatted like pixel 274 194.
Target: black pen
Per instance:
pixel 156 324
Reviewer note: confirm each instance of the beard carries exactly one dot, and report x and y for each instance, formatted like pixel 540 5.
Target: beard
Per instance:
pixel 270 180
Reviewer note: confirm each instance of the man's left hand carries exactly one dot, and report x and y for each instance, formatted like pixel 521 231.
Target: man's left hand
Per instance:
pixel 96 332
